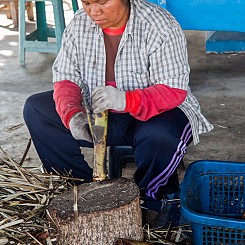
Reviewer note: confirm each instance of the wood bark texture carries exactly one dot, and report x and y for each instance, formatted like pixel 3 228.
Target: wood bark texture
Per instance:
pixel 107 210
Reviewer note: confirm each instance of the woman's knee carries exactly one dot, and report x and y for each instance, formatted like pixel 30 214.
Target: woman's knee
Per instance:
pixel 37 103
pixel 29 107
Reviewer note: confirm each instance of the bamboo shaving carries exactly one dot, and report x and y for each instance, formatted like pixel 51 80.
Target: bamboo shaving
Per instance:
pixel 178 235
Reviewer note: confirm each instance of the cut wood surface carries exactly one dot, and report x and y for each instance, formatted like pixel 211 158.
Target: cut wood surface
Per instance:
pixel 107 210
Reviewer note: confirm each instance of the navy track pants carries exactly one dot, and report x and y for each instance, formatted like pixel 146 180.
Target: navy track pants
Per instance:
pixel 159 143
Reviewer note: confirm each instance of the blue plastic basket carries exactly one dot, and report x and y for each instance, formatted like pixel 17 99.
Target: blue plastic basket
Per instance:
pixel 213 200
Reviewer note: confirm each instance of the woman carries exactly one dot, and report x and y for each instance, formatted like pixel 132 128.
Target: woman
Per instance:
pixel 128 57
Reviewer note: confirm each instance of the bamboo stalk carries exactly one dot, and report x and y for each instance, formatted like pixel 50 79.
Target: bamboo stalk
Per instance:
pixel 100 136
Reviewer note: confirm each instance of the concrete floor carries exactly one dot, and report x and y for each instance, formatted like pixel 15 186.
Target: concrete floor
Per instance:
pixel 218 81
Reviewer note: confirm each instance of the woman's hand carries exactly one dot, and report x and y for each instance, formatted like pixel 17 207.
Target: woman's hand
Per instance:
pixel 108 97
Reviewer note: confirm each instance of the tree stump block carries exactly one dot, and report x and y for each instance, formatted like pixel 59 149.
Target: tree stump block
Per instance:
pixel 107 210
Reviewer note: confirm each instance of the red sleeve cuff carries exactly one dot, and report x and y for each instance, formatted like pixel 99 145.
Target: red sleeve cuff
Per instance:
pixel 151 101
pixel 133 100
pixel 68 98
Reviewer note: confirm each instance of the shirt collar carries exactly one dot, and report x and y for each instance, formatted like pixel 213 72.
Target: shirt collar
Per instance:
pixel 92 24
pixel 130 23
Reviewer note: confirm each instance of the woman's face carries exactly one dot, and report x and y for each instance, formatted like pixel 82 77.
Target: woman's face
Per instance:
pixel 107 13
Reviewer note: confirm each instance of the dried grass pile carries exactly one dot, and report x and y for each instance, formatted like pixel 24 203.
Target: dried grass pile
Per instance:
pixel 24 196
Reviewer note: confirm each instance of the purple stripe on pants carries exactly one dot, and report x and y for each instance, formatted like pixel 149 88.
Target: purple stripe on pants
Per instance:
pixel 162 178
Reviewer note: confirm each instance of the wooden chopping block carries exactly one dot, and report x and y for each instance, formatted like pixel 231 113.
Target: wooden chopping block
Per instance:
pixel 106 210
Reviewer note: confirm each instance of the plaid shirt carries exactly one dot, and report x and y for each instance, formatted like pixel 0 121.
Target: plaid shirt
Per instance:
pixel 152 51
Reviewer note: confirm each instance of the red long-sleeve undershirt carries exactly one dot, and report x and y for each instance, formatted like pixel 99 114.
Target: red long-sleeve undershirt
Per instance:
pixel 67 96
pixel 149 102
pixel 140 103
